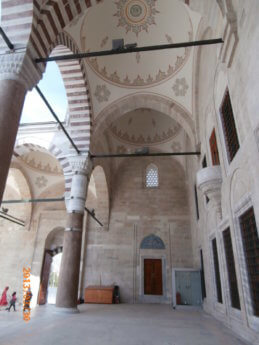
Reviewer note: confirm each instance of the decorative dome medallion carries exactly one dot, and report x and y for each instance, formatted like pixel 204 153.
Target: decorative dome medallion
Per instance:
pixel 145 22
pixel 136 15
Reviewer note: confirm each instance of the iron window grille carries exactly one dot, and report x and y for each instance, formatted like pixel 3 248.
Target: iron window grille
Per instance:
pixel 152 176
pixel 251 252
pixel 229 127
pixel 216 270
pixel 232 278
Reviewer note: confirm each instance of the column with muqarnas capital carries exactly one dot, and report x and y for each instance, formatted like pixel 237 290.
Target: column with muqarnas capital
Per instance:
pixel 67 293
pixel 18 74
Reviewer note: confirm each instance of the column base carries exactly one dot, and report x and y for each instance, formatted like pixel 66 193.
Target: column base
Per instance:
pixel 61 310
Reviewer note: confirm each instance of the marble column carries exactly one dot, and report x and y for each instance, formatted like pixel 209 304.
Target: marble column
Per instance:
pixel 67 293
pixel 17 75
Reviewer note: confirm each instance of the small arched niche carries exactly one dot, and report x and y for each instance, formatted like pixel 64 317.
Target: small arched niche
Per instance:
pixel 98 198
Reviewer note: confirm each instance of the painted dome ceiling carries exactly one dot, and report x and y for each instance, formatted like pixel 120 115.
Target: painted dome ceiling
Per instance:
pixel 144 127
pixel 41 161
pixel 145 22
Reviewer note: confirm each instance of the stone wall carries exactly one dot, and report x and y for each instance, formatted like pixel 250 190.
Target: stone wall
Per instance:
pixel 114 256
pixel 240 186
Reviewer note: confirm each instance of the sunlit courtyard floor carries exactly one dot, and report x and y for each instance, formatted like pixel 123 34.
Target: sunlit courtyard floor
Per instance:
pixel 122 324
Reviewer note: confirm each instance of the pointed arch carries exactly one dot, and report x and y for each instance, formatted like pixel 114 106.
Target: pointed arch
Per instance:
pixel 78 95
pixel 152 242
pixel 29 144
pixel 149 100
pixel 17 30
pixel 51 17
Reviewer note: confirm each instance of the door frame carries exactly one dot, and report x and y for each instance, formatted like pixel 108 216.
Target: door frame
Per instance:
pixel 153 298
pixel 174 270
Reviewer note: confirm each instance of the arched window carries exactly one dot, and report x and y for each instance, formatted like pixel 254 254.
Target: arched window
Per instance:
pixel 151 176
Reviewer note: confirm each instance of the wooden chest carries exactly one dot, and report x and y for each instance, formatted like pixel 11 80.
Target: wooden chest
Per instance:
pixel 99 294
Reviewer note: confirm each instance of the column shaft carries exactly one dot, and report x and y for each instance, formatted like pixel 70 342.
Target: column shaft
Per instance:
pixel 12 95
pixel 69 272
pixel 67 293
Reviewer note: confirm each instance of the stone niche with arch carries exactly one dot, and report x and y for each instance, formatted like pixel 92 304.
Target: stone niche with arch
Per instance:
pixel 152 270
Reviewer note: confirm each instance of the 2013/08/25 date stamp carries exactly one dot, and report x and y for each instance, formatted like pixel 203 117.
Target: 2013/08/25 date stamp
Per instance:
pixel 26 294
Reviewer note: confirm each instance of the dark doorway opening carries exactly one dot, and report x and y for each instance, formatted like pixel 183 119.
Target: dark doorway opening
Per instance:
pixel 153 284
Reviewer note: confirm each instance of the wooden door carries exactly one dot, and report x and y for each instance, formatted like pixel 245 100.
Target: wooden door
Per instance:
pixel 153 277
pixel 45 278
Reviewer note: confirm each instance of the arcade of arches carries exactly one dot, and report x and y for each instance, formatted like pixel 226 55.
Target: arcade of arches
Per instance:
pixel 176 230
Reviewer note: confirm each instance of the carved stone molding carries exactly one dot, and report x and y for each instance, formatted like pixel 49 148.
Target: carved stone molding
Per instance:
pixel 230 38
pixel 82 168
pixel 209 181
pixel 21 67
pixel 81 165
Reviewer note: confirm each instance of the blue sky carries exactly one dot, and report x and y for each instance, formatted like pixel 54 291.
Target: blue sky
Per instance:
pixel 52 87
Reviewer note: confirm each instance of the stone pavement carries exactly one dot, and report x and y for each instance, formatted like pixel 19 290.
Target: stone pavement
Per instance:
pixel 124 324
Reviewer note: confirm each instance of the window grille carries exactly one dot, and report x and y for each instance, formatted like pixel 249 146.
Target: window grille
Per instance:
pixel 232 278
pixel 214 148
pixel 229 127
pixel 151 176
pixel 216 270
pixel 251 251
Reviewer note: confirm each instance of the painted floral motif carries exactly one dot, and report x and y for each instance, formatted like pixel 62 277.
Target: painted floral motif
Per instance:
pixel 102 93
pixel 136 15
pixel 169 39
pixel 176 146
pixel 143 139
pixel 139 81
pixel 41 181
pixel 180 87
pixel 121 149
pixel 138 56
pixel 104 41
pixel 37 165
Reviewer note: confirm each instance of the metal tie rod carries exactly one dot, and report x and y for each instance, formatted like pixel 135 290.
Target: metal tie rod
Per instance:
pixel 12 220
pixel 57 119
pixel 129 155
pixel 93 216
pixel 129 50
pixel 6 39
pixel 22 201
pixel 10 216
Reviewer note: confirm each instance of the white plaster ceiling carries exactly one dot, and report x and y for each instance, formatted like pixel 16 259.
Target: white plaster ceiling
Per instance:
pixel 145 22
pixel 144 127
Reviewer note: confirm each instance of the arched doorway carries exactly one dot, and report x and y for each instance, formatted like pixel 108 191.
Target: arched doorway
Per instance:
pixel 51 266
pixel 53 278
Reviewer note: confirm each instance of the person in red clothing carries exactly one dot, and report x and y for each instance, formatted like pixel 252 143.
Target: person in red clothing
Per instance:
pixel 12 302
pixel 3 300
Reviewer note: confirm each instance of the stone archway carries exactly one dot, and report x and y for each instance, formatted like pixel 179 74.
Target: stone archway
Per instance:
pixel 53 246
pixel 29 144
pixel 152 101
pixel 74 76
